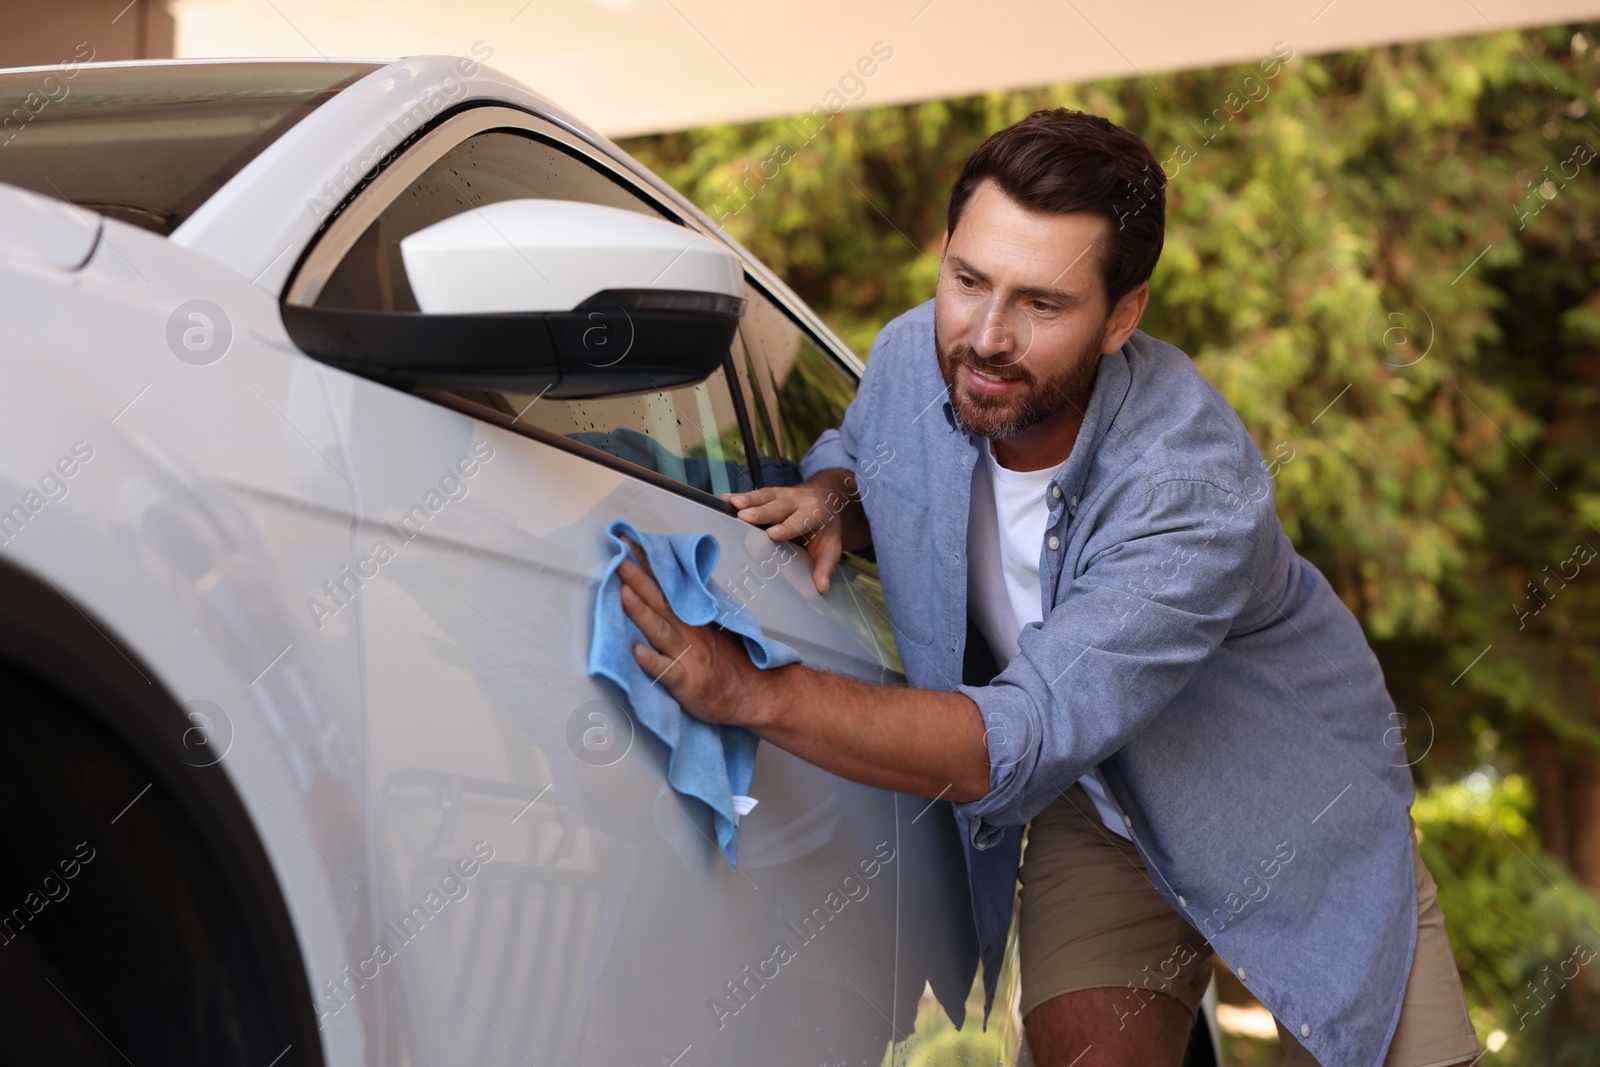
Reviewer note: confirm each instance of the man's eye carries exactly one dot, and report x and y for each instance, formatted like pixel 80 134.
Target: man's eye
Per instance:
pixel 964 281
pixel 1043 308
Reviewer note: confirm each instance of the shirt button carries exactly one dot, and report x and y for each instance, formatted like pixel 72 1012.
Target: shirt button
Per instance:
pixel 1055 542
pixel 1241 974
pixel 980 845
pixel 1305 1029
pixel 1055 491
pixel 1182 903
pixel 1074 502
pixel 1127 822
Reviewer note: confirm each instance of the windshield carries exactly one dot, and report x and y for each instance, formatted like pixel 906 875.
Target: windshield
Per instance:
pixel 148 144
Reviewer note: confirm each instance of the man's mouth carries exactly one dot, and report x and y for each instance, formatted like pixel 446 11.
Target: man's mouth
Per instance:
pixel 987 381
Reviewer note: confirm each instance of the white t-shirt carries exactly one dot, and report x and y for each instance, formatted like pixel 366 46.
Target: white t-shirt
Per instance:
pixel 1005 533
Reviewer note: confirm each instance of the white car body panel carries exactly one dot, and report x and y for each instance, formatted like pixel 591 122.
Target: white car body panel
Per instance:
pixel 47 233
pixel 378 738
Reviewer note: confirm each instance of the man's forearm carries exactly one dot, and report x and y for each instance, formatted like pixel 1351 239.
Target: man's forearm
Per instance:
pixel 919 741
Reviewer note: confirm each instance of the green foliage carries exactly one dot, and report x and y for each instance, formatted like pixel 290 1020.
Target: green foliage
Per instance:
pixel 1520 925
pixel 1387 260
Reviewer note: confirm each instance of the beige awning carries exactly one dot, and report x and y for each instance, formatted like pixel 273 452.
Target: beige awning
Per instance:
pixel 637 66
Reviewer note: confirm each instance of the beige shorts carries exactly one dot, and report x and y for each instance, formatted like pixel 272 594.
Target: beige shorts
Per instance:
pixel 1090 918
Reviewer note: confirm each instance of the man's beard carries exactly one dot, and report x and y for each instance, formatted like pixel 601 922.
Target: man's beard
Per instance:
pixel 1026 404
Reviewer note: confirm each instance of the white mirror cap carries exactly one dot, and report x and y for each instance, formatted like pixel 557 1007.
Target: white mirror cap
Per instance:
pixel 43 230
pixel 551 255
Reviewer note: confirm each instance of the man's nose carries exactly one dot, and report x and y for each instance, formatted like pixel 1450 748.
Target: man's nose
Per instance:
pixel 996 338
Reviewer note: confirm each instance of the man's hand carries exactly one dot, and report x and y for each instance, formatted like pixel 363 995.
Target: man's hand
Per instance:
pixel 825 510
pixel 705 668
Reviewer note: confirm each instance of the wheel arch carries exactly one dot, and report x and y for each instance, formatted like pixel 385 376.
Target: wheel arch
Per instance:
pixel 50 637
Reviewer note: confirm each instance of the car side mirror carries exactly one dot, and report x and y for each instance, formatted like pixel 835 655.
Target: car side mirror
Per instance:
pixel 560 297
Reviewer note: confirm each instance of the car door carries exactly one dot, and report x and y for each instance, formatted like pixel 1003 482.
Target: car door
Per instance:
pixel 541 896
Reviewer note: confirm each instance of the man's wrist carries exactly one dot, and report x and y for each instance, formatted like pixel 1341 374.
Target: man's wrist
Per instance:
pixel 841 493
pixel 767 695
pixel 837 480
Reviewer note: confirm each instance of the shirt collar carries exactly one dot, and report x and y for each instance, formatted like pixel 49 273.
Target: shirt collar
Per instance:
pixel 1111 383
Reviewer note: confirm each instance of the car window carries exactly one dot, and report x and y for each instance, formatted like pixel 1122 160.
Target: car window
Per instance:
pixel 149 143
pixel 692 435
pixel 800 388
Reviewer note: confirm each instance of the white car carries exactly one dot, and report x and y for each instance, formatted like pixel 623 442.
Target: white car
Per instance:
pixel 319 384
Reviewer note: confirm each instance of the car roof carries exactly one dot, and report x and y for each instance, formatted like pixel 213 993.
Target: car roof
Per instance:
pixel 216 62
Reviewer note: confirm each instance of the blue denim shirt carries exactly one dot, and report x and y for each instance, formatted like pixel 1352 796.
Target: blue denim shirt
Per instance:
pixel 1209 673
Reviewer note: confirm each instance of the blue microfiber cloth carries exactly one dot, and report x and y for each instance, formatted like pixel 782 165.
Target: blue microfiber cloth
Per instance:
pixel 709 762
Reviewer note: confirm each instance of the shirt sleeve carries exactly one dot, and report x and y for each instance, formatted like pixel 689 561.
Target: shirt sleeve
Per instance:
pixel 831 449
pixel 1176 566
pixel 842 447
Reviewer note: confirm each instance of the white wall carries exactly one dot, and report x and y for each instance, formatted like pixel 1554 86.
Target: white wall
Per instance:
pixel 634 66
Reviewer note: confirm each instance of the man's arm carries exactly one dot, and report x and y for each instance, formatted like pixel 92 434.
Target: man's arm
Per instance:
pixel 1178 562
pixel 916 741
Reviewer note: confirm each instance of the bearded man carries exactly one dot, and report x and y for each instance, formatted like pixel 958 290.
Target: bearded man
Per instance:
pixel 1109 639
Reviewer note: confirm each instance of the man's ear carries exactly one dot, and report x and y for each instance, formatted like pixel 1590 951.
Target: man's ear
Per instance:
pixel 1125 317
pixel 944 244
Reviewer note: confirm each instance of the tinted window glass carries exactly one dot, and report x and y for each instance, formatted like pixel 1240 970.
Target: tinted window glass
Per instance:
pixel 762 405
pixel 690 434
pixel 149 145
pixel 806 389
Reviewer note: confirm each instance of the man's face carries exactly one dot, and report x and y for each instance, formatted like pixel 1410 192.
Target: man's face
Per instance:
pixel 1019 313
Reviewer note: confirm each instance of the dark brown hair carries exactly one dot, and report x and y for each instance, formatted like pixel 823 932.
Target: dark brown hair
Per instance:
pixel 1061 161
